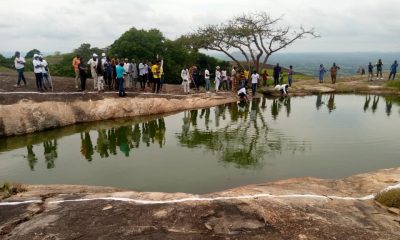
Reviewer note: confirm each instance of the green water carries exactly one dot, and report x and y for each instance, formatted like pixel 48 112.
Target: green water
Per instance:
pixel 214 149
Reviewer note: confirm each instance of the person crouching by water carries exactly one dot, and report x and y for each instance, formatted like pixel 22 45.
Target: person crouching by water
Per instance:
pixel 120 79
pixel 242 94
pixel 284 89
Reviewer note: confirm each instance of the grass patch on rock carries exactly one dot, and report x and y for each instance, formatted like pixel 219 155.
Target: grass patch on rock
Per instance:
pixel 8 189
pixel 394 84
pixel 390 198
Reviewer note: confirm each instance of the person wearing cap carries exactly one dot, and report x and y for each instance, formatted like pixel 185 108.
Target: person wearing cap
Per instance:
pixel 92 66
pixel 185 79
pixel 19 64
pixel 45 72
pixel 75 64
pixel 37 69
pixel 217 78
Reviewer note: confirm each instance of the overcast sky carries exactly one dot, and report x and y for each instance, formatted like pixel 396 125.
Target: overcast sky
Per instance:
pixel 55 25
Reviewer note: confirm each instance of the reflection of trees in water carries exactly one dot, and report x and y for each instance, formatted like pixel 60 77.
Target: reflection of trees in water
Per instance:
pixel 124 139
pixel 244 140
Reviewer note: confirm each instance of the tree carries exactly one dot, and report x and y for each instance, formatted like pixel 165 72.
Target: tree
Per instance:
pixel 255 36
pixel 31 53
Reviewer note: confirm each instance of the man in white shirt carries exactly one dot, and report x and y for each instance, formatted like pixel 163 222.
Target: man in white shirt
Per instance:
pixel 45 72
pixel 224 79
pixel 233 79
pixel 142 75
pixel 207 80
pixel 38 70
pixel 135 74
pixel 128 71
pixel 254 81
pixel 93 65
pixel 217 78
pixel 185 80
pixel 284 88
pixel 19 63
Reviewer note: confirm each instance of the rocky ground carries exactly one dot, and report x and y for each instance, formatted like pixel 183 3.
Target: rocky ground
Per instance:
pixel 306 208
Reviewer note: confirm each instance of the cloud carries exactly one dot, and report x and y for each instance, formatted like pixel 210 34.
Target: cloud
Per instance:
pixel 64 25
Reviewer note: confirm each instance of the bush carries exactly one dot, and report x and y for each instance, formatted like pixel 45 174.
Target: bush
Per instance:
pixel 8 189
pixel 394 84
pixel 390 198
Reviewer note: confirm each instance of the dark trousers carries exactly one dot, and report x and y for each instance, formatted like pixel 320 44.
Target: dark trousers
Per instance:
pixel 254 88
pixel 276 80
pixel 39 80
pixel 157 85
pixel 83 81
pixel 392 75
pixel 121 87
pixel 21 76
pixel 142 80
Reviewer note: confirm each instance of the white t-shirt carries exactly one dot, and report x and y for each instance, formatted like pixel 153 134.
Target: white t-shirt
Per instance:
pixel 93 64
pixel 242 90
pixel 127 67
pixel 185 74
pixel 206 74
pixel 45 64
pixel 37 66
pixel 282 88
pixel 19 63
pixel 223 73
pixel 141 69
pixel 233 73
pixel 254 78
pixel 217 75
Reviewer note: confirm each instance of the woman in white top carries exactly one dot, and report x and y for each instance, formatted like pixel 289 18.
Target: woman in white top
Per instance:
pixel 185 80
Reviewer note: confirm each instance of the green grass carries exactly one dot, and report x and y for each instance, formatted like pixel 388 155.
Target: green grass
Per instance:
pixel 389 198
pixel 4 69
pixel 393 84
pixel 8 189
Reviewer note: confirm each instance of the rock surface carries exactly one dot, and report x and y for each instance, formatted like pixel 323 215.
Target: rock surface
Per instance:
pixel 306 208
pixel 28 116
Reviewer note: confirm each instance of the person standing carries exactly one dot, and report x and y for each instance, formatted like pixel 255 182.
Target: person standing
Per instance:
pixel 277 73
pixel 120 79
pixel 393 70
pixel 322 72
pixel 254 81
pixel 185 80
pixel 19 64
pixel 82 74
pixel 246 73
pixel 207 80
pixel 234 79
pixel 75 63
pixel 217 78
pixel 142 75
pixel 156 70
pixel 334 70
pixel 128 71
pixel 135 73
pixel 194 76
pixel 108 72
pixel 290 75
pixel 379 66
pixel 224 78
pixel 93 65
pixel 265 78
pixel 100 76
pixel 37 69
pixel 45 71
pixel 370 71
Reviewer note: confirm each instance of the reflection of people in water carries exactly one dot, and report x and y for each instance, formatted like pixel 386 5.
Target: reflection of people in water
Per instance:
pixel 388 106
pixel 145 134
pixel 287 104
pixel 375 104
pixel 136 135
pixel 366 104
pixel 263 103
pixel 186 123
pixel 331 103
pixel 86 146
pixel 275 107
pixel 253 112
pixel 112 141
pixel 102 143
pixel 31 156
pixel 50 152
pixel 122 140
pixel 319 102
pixel 193 117
pixel 160 132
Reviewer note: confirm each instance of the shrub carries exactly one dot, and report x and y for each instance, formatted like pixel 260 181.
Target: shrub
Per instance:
pixel 390 198
pixel 8 189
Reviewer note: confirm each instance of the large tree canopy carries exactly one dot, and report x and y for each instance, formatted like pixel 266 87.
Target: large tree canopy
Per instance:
pixel 256 36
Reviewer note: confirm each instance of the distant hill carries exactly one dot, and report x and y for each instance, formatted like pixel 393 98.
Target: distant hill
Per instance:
pixel 308 63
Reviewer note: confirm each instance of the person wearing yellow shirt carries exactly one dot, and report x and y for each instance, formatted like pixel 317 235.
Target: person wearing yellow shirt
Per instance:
pixel 246 73
pixel 156 70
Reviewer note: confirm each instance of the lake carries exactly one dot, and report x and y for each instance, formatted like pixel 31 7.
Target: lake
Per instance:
pixel 207 150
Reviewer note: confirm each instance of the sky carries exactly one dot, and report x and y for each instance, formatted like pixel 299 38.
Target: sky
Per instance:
pixel 55 25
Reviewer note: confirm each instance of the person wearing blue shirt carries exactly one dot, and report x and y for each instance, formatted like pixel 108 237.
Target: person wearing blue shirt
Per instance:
pixel 393 70
pixel 120 79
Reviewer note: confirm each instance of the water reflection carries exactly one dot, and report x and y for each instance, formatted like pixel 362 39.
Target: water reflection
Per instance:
pixel 243 138
pixel 31 157
pixel 278 104
pixel 331 103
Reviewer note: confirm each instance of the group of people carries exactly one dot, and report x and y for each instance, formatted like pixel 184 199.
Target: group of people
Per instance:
pixel 117 74
pixel 379 67
pixel 40 68
pixel 334 71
